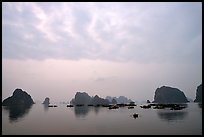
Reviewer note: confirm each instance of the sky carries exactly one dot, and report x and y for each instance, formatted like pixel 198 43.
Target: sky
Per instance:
pixel 108 49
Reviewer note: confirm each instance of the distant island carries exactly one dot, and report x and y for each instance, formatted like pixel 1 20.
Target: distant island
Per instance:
pixel 119 100
pixel 19 97
pixel 18 104
pixel 169 95
pixel 163 94
pixel 199 94
pixel 46 101
pixel 82 98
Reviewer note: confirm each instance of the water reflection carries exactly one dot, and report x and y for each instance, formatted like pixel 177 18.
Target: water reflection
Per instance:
pixel 96 109
pixel 82 111
pixel 200 105
pixel 16 112
pixel 45 107
pixel 172 116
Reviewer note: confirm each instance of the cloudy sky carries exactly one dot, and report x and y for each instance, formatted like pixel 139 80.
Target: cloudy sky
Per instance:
pixel 56 49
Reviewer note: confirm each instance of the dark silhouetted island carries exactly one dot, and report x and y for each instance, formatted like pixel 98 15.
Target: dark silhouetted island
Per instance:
pixel 82 98
pixel 46 101
pixel 19 97
pixel 99 101
pixel 169 95
pixel 119 100
pixel 113 101
pixel 18 105
pixel 199 94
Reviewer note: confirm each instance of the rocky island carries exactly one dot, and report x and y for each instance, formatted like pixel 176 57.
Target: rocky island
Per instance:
pixel 199 94
pixel 19 97
pixel 18 104
pixel 46 101
pixel 166 94
pixel 82 98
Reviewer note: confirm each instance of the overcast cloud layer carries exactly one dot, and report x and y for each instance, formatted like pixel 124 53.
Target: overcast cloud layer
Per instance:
pixel 99 46
pixel 143 32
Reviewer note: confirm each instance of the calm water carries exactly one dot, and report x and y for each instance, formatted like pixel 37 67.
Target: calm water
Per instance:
pixel 97 120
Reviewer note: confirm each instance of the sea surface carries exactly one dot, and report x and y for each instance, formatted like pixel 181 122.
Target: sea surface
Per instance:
pixel 39 120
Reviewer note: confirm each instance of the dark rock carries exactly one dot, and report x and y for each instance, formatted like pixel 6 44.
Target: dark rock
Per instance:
pixel 82 98
pixel 198 94
pixel 72 101
pixel 119 100
pixel 99 101
pixel 148 101
pixel 169 95
pixel 114 101
pixel 46 101
pixel 19 97
pixel 109 98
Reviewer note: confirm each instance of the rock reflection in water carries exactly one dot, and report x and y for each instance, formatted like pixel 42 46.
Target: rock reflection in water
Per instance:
pixel 46 107
pixel 18 111
pixel 200 105
pixel 82 111
pixel 96 109
pixel 172 116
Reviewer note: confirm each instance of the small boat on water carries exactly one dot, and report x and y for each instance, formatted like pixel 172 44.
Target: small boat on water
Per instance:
pixel 130 107
pixel 70 106
pixel 114 107
pixel 52 105
pixel 135 115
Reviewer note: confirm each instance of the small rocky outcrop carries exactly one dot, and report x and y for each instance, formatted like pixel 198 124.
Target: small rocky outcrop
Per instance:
pixel 19 97
pixel 169 95
pixel 148 101
pixel 46 101
pixel 199 94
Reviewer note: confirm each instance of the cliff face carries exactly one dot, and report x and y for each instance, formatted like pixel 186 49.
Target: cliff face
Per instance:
pixel 198 94
pixel 82 98
pixel 169 95
pixel 19 97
